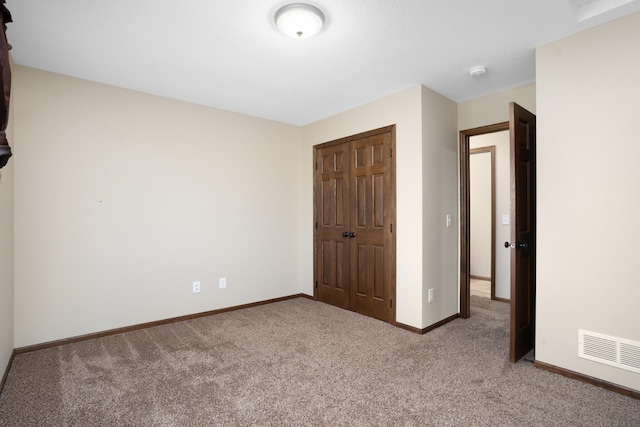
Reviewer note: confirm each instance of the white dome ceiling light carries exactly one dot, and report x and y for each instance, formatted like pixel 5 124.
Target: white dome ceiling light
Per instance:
pixel 299 20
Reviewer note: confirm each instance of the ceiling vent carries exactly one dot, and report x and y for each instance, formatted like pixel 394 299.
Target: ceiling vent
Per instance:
pixel 613 351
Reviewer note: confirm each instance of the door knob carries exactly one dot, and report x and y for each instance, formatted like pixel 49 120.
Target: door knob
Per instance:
pixel 352 234
pixel 345 234
pixel 516 245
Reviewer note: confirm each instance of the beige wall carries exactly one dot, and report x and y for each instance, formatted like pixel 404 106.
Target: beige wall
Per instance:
pixel 6 255
pixel 440 267
pixel 503 206
pixel 122 200
pixel 480 212
pixel 588 205
pixel 422 118
pixel 494 108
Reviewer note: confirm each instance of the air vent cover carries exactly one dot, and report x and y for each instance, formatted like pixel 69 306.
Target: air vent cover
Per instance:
pixel 613 351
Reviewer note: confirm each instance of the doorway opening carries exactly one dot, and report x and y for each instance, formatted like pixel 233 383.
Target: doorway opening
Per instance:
pixel 490 215
pixel 522 224
pixel 466 272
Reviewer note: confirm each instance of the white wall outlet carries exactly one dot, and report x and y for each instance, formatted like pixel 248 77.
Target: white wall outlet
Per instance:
pixel 196 287
pixel 223 282
pixel 431 295
pixel 506 219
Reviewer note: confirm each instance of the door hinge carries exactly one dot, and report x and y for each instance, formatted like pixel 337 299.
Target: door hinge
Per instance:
pixel 390 303
pixel 316 284
pixel 316 225
pixel 316 165
pixel 390 152
pixel 391 226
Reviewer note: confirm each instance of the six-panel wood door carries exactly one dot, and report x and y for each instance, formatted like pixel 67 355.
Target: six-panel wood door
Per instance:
pixel 354 212
pixel 332 188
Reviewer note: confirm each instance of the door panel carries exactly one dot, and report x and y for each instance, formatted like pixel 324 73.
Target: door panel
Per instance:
pixel 378 272
pixel 378 201
pixel 523 226
pixel 354 211
pixel 362 192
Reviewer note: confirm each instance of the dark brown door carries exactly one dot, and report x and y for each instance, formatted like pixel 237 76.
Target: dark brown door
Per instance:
pixel 354 213
pixel 332 198
pixel 522 124
pixel 371 222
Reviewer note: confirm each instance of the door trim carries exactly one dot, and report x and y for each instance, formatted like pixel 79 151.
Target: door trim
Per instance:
pixel 465 223
pixel 392 235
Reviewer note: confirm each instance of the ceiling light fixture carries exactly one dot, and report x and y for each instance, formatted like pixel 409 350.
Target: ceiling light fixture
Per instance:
pixel 478 71
pixel 299 20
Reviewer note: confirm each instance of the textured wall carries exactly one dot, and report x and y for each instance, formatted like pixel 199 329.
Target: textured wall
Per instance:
pixel 588 203
pixel 494 108
pixel 124 199
pixel 6 254
pixel 440 267
pixel 480 211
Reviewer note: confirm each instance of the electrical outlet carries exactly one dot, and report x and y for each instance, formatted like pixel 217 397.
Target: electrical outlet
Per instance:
pixel 431 295
pixel 223 282
pixel 196 287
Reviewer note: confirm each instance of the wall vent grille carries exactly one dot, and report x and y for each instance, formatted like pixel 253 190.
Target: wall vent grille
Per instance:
pixel 613 351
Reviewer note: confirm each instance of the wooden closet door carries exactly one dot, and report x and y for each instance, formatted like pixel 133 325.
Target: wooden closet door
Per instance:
pixel 354 210
pixel 371 212
pixel 332 187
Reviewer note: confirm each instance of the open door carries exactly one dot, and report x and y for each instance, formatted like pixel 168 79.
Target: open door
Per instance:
pixel 522 125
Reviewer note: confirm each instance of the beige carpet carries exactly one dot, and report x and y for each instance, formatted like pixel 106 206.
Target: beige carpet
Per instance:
pixel 302 363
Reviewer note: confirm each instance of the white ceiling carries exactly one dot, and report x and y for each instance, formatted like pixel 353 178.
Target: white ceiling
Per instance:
pixel 228 53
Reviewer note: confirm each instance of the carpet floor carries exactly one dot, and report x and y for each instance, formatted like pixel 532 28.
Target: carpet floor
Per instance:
pixel 302 363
